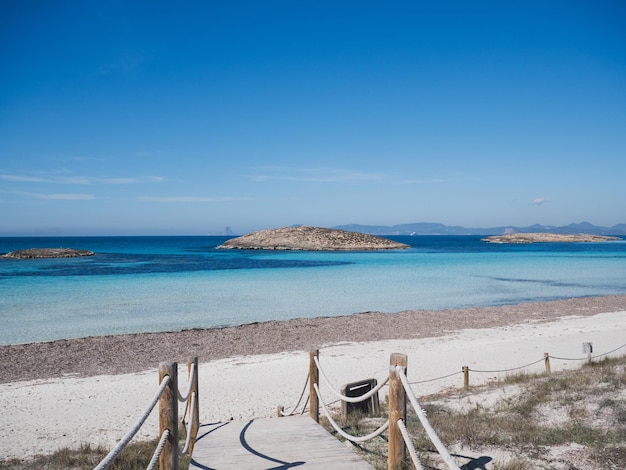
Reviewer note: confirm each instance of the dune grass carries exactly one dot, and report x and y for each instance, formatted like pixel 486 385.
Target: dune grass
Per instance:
pixel 581 413
pixel 569 420
pixel 135 456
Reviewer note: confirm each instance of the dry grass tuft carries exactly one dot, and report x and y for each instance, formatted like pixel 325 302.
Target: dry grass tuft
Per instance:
pixel 135 456
pixel 566 421
pixel 570 420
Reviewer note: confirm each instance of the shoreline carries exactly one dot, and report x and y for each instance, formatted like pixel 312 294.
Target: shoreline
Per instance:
pixel 130 353
pixel 254 369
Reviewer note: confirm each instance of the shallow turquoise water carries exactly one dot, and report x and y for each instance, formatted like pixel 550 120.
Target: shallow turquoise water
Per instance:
pixel 140 284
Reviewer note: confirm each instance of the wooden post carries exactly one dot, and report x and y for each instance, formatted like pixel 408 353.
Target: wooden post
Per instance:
pixel 588 347
pixel 396 453
pixel 546 360
pixel 168 416
pixel 465 377
pixel 279 411
pixel 314 379
pixel 194 414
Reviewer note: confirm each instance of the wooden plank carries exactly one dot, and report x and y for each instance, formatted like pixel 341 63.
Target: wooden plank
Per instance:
pixel 272 443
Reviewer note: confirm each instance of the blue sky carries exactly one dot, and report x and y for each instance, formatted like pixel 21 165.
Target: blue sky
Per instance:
pixel 159 117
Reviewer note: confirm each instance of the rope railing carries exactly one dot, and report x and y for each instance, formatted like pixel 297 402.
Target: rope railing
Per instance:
pixel 609 352
pixel 409 443
pixel 191 397
pixel 313 380
pixel 345 398
pixel 338 428
pixel 569 358
pixel 436 378
pixel 281 410
pixel 465 370
pixel 184 396
pixel 546 359
pixel 434 438
pixel 597 356
pixel 111 456
pixel 190 423
pixel 167 396
pixel 506 370
pixel 159 449
pixel 399 389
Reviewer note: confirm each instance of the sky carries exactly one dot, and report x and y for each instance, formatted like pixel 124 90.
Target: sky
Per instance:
pixel 184 118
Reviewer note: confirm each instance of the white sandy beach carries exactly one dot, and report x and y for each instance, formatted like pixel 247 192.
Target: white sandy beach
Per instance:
pixel 41 416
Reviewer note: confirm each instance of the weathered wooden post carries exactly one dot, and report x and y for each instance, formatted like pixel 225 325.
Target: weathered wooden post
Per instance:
pixel 194 413
pixel 465 377
pixel 588 348
pixel 546 360
pixel 168 416
pixel 397 410
pixel 314 379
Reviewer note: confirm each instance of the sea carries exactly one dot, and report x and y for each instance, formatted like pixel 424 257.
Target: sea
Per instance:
pixel 152 284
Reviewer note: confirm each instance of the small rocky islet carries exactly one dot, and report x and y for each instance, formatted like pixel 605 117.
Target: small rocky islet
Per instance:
pixel 548 238
pixel 311 239
pixel 307 238
pixel 39 253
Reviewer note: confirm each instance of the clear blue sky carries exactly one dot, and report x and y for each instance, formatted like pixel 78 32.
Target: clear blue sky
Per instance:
pixel 161 117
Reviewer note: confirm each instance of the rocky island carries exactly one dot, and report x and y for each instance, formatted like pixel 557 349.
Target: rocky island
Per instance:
pixel 311 239
pixel 547 238
pixel 36 253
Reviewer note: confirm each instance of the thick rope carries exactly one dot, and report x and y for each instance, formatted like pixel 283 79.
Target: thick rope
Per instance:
pixel 409 445
pixel 507 370
pixel 612 351
pixel 192 373
pixel 282 412
pixel 182 420
pixel 349 437
pixel 427 427
pixel 521 367
pixel 586 358
pixel 350 399
pixel 185 450
pixel 437 378
pixel 131 433
pixel 569 358
pixel 157 452
pixel 304 408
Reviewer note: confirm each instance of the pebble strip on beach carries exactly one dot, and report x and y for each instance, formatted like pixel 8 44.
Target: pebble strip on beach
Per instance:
pixel 123 354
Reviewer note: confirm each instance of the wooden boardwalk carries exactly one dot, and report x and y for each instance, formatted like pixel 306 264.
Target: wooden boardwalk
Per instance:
pixel 272 444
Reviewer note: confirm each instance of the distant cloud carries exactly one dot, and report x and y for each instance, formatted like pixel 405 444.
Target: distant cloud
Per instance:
pixel 135 180
pixel 67 197
pixel 426 181
pixel 446 179
pixel 81 180
pixel 314 175
pixel 193 199
pixel 52 196
pixel 22 179
pixel 540 201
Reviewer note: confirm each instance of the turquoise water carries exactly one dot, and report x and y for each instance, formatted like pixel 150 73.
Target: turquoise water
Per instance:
pixel 141 284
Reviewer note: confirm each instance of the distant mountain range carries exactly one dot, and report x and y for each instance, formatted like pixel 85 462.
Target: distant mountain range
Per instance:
pixel 426 228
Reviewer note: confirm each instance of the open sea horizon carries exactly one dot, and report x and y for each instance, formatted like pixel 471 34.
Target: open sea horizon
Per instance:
pixel 153 284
